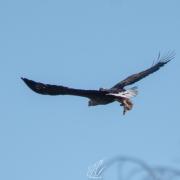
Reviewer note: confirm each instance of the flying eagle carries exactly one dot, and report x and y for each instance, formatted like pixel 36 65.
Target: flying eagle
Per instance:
pixel 103 96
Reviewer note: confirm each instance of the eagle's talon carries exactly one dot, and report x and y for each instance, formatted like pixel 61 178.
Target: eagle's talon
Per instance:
pixel 124 112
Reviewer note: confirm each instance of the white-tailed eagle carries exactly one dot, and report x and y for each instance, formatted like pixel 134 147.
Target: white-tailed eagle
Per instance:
pixel 103 96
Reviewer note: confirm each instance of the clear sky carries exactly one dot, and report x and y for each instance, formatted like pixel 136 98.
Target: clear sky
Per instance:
pixel 86 44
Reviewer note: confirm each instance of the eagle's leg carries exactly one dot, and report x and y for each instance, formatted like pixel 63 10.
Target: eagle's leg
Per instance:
pixel 124 111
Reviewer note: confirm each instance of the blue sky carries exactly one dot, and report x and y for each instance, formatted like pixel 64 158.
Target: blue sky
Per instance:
pixel 85 44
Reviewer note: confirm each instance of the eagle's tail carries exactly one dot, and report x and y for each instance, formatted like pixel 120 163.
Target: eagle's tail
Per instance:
pixel 133 92
pixel 130 93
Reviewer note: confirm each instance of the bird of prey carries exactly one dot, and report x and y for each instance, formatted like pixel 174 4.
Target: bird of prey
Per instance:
pixel 103 96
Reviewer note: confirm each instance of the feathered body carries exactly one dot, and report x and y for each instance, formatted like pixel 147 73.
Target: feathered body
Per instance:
pixel 103 96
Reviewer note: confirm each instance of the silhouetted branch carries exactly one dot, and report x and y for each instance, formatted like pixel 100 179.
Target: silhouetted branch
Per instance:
pixel 130 168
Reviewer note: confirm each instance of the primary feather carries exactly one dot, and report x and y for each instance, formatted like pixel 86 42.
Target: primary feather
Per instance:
pixel 47 89
pixel 138 76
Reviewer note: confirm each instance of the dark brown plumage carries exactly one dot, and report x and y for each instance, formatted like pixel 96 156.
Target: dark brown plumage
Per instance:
pixel 102 96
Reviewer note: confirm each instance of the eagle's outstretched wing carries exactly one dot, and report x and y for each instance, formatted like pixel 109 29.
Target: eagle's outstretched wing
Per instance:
pixel 47 89
pixel 161 61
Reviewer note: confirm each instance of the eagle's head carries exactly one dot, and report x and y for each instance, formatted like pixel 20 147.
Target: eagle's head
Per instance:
pixel 92 102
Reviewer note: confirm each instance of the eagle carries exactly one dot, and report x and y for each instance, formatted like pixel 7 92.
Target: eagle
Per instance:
pixel 117 93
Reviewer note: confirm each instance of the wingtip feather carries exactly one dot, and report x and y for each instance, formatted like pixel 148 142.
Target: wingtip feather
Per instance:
pixel 25 80
pixel 167 58
pixel 31 84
